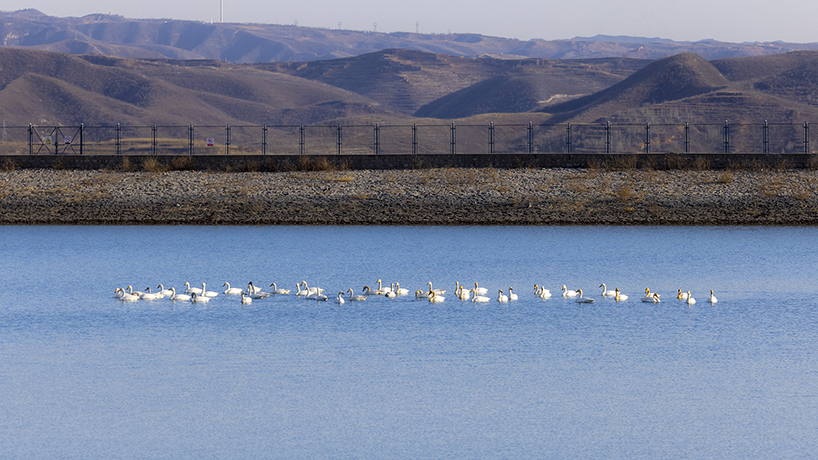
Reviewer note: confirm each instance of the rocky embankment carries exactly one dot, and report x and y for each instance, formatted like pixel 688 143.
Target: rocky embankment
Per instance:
pixel 410 197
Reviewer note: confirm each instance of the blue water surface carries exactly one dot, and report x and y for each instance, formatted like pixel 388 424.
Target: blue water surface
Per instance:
pixel 83 375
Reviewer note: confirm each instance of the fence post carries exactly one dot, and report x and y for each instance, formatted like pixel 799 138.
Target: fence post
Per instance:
pixel 647 137
pixel 491 137
pixel 301 140
pixel 227 139
pixel 190 139
pixel 726 137
pixel 118 139
pixel 806 137
pixel 454 139
pixel 530 138
pixel 414 139
pixel 153 143
pixel 264 140
pixel 82 138
pixel 765 148
pixel 30 139
pixel 687 137
pixel 568 143
pixel 377 139
pixel 608 137
pixel 339 139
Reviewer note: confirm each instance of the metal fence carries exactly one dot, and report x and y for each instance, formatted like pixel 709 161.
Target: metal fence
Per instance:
pixel 408 139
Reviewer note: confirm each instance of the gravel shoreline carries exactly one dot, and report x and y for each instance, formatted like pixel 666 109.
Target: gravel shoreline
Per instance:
pixel 447 196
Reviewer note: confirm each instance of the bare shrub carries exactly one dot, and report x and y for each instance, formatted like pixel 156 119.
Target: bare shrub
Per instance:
pixel 127 165
pixel 701 163
pixel 675 161
pixel 9 165
pixel 594 165
pixel 782 164
pixel 812 163
pixel 624 162
pixel 725 178
pixel 182 163
pixel 802 194
pixel 152 164
pixel 625 193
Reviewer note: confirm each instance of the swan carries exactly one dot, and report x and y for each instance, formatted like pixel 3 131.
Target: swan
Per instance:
pixel 479 290
pixel 606 292
pixel 682 295
pixel 502 298
pixel 321 297
pixel 251 288
pixel 568 292
pixel 245 299
pixel 690 299
pixel 419 294
pixel 151 295
pixel 300 292
pixel 163 291
pixel 207 293
pixel 434 297
pixel 712 298
pixel 511 295
pixel 174 296
pixel 462 294
pixel 192 290
pixel 647 293
pixel 232 291
pixel 131 291
pixel 653 298
pixel 436 291
pixel 400 290
pixel 619 296
pixel 479 298
pixel 381 290
pixel 314 289
pixel 125 296
pixel 542 292
pixel 199 298
pixel 259 295
pixel 581 299
pixel 276 289
pixel 355 298
pixel 391 293
pixel 340 299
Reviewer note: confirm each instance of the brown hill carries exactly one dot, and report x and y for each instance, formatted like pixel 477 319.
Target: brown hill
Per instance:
pixel 168 38
pixel 676 77
pixel 43 87
pixel 407 80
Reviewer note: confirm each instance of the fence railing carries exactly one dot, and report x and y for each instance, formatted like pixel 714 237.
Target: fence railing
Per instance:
pixel 609 138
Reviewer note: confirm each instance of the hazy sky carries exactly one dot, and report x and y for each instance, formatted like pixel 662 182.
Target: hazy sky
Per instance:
pixel 691 20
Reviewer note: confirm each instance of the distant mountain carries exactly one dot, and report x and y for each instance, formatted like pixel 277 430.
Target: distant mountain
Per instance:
pixel 257 43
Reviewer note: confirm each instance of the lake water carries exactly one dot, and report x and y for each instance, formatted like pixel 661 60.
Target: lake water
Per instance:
pixel 83 375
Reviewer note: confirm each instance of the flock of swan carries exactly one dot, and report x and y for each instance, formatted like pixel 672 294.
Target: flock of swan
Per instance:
pixel 476 294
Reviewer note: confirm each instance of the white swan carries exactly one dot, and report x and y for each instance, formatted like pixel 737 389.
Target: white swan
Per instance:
pixel 355 298
pixel 231 291
pixel 137 293
pixel 653 298
pixel 321 298
pixel 606 292
pixel 478 290
pixel 151 295
pixel 480 298
pixel 542 292
pixel 277 290
pixel 192 290
pixel 502 298
pixel 125 296
pixel 568 292
pixel 197 298
pixel 259 295
pixel 400 290
pixel 436 291
pixel 174 296
pixel 313 289
pixel 462 294
pixel 251 288
pixel 690 299
pixel 340 299
pixel 512 295
pixel 419 294
pixel 712 298
pixel 434 297
pixel 163 291
pixel 581 299
pixel 682 295
pixel 619 296
pixel 381 290
pixel 245 299
pixel 207 293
